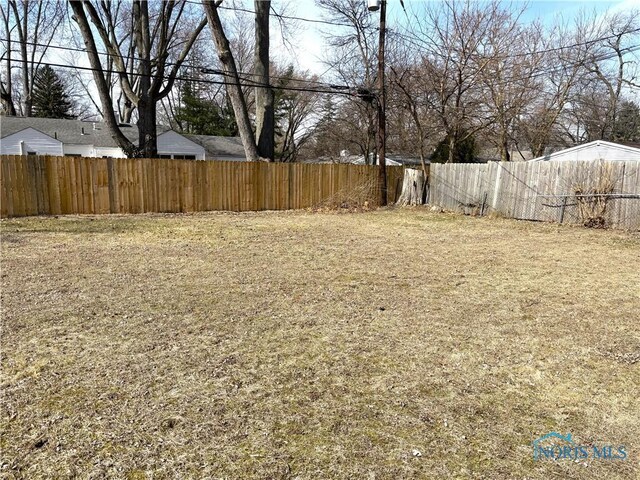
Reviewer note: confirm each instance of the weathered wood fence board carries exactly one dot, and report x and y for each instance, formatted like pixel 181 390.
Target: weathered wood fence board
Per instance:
pixel 42 185
pixel 536 190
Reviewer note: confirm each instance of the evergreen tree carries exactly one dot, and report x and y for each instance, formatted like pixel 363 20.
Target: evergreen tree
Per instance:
pixel 465 151
pixel 627 126
pixel 50 99
pixel 198 116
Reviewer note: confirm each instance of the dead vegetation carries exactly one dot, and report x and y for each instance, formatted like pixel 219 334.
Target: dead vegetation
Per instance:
pixel 299 345
pixel 593 194
pixel 351 199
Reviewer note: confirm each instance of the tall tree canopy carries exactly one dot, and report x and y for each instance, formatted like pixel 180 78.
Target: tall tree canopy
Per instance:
pixel 200 116
pixel 146 44
pixel 28 28
pixel 49 98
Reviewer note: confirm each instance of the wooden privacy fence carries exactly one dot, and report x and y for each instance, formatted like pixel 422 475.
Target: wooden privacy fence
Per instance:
pixel 44 185
pixel 539 190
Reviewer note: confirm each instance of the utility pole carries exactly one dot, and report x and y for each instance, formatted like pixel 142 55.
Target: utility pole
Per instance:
pixel 381 101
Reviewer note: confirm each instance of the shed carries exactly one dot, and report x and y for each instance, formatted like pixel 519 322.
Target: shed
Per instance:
pixel 597 150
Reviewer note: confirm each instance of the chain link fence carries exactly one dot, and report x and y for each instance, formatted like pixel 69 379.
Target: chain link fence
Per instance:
pixel 595 194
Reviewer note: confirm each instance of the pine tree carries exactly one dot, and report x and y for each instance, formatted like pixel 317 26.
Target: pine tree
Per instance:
pixel 50 99
pixel 203 117
pixel 627 126
pixel 465 151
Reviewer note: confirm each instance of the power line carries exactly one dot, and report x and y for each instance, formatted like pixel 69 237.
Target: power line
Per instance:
pixel 536 52
pixel 329 88
pixel 130 57
pixel 287 17
pixel 535 73
pixel 216 82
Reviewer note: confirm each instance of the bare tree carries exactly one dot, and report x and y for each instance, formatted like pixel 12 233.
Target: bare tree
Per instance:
pixel 6 87
pixel 455 54
pixel 509 81
pixel 35 24
pixel 609 70
pixel 352 58
pixel 234 89
pixel 294 113
pixel 144 70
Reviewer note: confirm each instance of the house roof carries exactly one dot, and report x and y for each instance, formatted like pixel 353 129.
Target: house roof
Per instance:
pixel 68 131
pixel 596 146
pixel 222 148
pixel 97 134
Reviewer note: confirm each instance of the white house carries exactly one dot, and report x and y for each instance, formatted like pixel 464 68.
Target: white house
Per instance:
pixel 598 150
pixel 49 136
pixel 30 141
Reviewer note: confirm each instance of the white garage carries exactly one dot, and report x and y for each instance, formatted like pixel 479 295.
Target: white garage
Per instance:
pixel 598 150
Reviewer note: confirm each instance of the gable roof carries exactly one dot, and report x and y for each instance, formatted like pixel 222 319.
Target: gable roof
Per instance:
pixel 38 132
pixel 67 131
pixel 596 148
pixel 97 134
pixel 221 148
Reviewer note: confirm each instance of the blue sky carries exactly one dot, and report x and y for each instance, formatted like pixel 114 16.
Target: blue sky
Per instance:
pixel 309 41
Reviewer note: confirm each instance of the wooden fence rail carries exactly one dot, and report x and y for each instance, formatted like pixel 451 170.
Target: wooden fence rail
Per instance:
pixel 537 190
pixel 44 185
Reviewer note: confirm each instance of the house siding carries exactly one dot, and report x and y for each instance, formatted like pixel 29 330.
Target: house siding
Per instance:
pixel 113 152
pixel 34 141
pixel 84 150
pixel 595 151
pixel 172 143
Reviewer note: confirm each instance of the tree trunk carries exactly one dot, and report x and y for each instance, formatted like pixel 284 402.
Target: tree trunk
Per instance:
pixel 412 187
pixel 127 111
pixel 7 100
pixel 234 90
pixel 26 80
pixel 101 84
pixel 382 101
pixel 452 148
pixel 264 94
pixel 6 94
pixel 147 134
pixel 505 156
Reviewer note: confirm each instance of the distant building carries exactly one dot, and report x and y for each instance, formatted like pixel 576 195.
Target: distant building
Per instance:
pixel 598 150
pixel 50 136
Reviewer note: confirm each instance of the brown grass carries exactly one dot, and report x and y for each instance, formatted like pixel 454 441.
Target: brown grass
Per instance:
pixel 299 345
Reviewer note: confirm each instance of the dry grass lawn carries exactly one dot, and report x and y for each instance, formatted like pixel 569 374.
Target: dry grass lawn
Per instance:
pixel 306 346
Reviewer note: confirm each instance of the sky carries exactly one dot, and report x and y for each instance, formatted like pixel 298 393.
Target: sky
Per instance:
pixel 305 48
pixel 308 51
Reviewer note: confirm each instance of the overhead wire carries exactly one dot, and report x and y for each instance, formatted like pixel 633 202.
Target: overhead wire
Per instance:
pixel 212 82
pixel 132 57
pixel 421 44
pixel 287 17
pixel 335 88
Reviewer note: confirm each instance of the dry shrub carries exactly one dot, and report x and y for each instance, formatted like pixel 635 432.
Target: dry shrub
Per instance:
pixel 363 197
pixel 593 193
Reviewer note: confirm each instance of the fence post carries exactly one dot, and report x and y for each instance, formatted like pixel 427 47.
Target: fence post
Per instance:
pixel 564 206
pixel 496 186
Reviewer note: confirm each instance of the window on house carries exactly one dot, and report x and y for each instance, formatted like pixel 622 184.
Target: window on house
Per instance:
pixel 32 153
pixel 164 156
pixel 72 155
pixel 185 157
